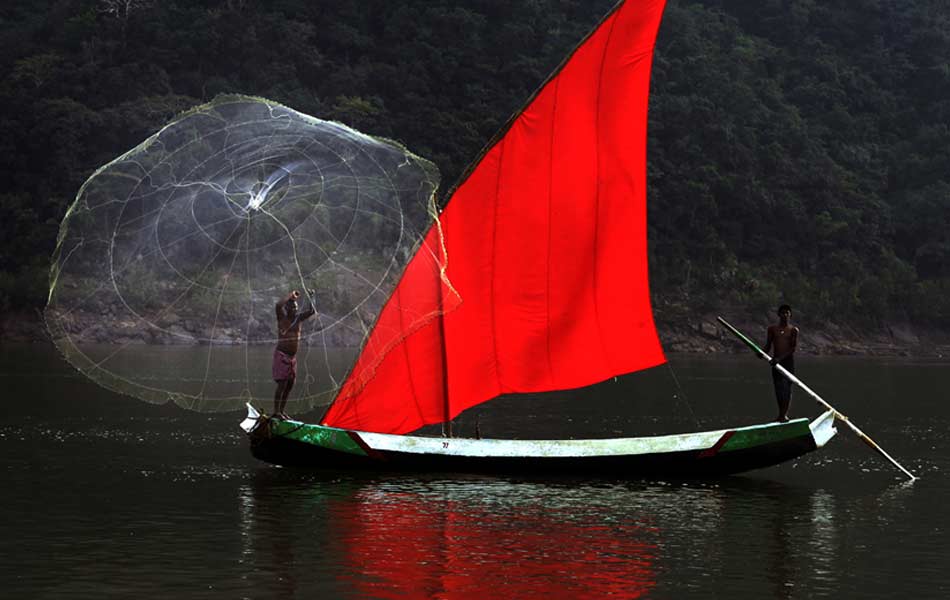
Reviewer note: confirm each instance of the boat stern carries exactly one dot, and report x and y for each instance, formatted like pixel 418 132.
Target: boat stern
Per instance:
pixel 823 428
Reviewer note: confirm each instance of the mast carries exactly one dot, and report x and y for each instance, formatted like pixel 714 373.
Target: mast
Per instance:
pixel 447 413
pixel 446 409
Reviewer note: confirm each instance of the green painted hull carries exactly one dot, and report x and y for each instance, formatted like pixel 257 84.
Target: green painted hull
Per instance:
pixel 712 453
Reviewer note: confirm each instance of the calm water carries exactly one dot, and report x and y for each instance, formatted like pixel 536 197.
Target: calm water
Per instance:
pixel 104 496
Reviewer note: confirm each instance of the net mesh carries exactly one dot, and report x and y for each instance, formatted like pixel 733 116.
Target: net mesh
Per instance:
pixel 171 260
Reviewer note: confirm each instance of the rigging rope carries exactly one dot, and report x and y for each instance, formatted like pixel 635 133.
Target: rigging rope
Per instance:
pixel 680 395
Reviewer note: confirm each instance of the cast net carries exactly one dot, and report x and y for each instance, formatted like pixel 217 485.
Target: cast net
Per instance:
pixel 171 261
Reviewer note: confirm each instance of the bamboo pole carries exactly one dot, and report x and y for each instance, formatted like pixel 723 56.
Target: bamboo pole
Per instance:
pixel 838 415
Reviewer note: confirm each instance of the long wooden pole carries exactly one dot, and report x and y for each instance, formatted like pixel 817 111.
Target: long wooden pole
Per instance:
pixel 841 417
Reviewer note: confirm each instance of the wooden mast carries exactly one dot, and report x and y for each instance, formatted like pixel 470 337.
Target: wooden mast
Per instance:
pixel 446 410
pixel 446 419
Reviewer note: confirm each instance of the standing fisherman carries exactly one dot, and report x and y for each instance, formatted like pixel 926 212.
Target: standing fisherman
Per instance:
pixel 285 354
pixel 784 338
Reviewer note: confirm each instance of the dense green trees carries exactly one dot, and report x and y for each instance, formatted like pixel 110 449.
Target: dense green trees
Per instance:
pixel 798 149
pixel 805 144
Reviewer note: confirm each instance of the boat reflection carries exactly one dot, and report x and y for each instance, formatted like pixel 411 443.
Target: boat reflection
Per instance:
pixel 402 537
pixel 776 538
pixel 452 537
pixel 460 542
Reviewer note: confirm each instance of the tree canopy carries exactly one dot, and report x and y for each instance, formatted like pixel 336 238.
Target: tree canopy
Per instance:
pixel 799 150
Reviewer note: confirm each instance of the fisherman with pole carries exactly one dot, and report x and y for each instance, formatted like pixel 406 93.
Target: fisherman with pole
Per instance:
pixel 777 367
pixel 784 338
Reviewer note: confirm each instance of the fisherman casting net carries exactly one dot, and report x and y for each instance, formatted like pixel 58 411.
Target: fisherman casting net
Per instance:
pixel 172 258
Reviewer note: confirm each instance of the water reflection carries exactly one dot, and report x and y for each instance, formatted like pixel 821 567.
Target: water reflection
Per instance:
pixel 459 543
pixel 395 536
pixel 776 539
pixel 824 537
pixel 135 521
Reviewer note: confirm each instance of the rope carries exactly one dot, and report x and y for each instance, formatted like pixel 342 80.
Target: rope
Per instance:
pixel 264 430
pixel 681 395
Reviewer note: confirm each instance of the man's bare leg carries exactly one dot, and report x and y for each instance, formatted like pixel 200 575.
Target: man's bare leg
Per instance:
pixel 783 405
pixel 278 395
pixel 288 385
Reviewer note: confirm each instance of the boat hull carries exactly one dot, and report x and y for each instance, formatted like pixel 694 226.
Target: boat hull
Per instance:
pixel 702 454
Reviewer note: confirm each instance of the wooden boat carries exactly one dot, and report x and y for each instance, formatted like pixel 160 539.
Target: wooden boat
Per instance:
pixel 533 278
pixel 700 454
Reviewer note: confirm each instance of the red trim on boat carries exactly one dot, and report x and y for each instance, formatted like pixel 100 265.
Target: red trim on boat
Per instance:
pixel 370 452
pixel 717 446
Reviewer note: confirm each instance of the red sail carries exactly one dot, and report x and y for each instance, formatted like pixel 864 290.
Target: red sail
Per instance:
pixel 545 245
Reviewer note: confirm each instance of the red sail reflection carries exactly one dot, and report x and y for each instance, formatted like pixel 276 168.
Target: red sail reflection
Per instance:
pixel 414 545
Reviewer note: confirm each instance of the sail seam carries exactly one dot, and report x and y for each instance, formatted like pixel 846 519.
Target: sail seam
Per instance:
pixel 597 110
pixel 408 359
pixel 494 270
pixel 547 296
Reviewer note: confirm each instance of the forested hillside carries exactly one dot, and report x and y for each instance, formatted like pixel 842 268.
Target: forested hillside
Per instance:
pixel 799 150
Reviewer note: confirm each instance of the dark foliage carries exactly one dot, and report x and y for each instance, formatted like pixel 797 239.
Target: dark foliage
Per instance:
pixel 799 150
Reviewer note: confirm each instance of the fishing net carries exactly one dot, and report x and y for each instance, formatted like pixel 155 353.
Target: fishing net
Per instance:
pixel 171 261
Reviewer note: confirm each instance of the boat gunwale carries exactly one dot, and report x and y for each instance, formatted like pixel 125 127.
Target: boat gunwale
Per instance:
pixel 367 443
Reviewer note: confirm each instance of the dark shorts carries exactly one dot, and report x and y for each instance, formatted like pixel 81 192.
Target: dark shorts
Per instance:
pixel 285 366
pixel 783 386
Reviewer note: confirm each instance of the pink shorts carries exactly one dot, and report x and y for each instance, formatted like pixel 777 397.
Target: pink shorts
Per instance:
pixel 285 366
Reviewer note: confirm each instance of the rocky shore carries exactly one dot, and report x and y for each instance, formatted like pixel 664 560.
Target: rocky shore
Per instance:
pixel 704 335
pixel 698 335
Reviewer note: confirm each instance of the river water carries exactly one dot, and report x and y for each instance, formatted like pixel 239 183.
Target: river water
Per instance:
pixel 103 496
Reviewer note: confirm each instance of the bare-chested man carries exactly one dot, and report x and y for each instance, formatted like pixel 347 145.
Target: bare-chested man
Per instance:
pixel 285 354
pixel 783 337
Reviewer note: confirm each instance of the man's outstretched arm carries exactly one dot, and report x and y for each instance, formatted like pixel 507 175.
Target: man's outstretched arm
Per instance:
pixel 281 311
pixel 308 313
